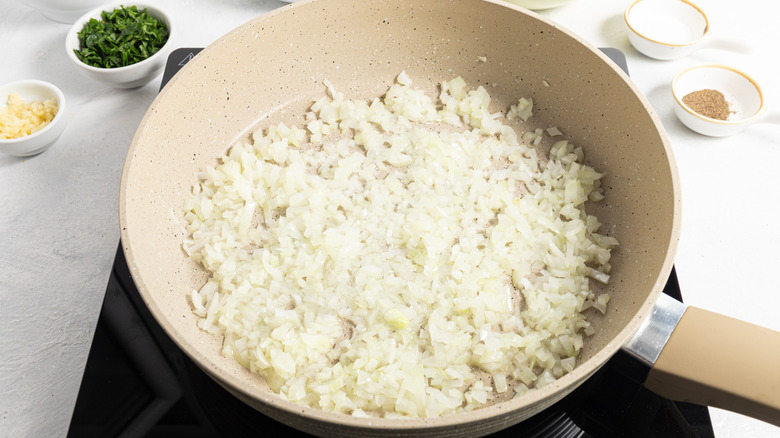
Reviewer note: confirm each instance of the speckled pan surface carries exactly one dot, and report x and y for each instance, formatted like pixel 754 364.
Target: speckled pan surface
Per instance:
pixel 271 69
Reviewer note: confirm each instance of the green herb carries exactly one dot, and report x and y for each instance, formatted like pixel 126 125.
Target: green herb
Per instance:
pixel 124 36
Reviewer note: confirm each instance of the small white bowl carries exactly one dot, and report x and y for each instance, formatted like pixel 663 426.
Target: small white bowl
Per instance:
pixel 746 101
pixel 63 11
pixel 131 76
pixel 666 29
pixel 38 141
pixel 540 4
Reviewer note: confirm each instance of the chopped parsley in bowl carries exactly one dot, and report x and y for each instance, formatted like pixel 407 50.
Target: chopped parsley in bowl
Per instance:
pixel 124 36
pixel 122 45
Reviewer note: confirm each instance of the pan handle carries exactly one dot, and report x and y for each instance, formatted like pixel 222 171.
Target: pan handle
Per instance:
pixel 711 359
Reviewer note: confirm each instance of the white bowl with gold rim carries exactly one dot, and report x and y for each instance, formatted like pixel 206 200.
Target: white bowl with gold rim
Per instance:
pixel 743 95
pixel 666 29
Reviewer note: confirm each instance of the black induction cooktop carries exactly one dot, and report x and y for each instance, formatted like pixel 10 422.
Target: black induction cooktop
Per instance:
pixel 138 383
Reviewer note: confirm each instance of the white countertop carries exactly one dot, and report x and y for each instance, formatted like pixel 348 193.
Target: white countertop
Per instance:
pixel 59 226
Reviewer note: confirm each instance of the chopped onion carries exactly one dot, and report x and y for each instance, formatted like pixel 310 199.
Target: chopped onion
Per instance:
pixel 400 257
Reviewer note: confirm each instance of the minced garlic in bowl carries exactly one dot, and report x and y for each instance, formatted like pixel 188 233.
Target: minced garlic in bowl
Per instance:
pixel 20 118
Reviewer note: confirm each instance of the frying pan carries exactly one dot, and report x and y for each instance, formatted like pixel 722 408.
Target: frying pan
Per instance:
pixel 271 69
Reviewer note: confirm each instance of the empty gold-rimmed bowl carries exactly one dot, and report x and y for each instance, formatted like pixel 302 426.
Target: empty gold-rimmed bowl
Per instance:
pixel 666 29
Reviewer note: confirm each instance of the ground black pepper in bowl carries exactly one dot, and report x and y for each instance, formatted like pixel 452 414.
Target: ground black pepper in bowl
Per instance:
pixel 709 103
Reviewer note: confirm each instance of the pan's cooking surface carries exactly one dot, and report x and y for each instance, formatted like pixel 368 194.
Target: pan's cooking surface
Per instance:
pixel 360 47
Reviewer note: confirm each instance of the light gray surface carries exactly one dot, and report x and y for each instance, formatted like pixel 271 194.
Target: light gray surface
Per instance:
pixel 59 225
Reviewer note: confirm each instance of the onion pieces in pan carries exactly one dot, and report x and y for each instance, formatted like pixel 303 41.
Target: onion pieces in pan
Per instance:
pixel 400 257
